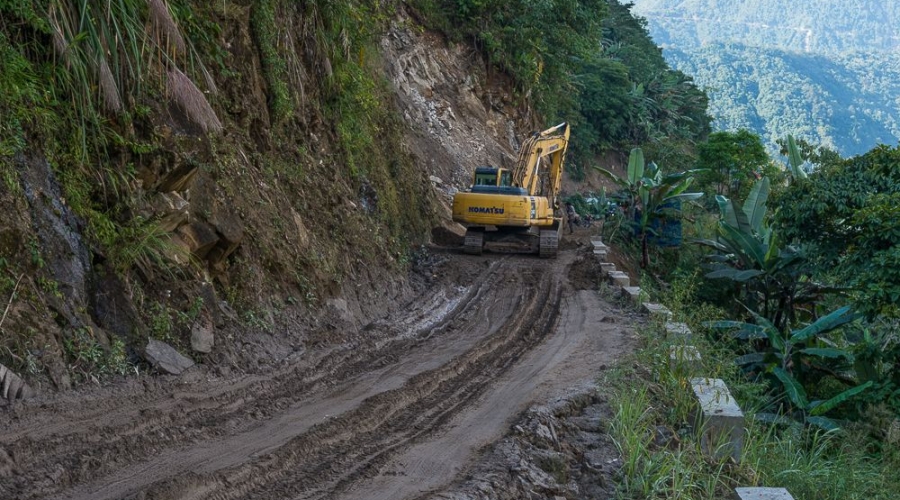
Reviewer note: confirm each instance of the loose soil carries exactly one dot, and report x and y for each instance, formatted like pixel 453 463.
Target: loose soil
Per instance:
pixel 413 405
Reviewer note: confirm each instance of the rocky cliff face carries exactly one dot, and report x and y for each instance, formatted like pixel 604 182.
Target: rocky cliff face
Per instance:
pixel 249 245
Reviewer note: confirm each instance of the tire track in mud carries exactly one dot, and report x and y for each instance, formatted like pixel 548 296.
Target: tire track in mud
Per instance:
pixel 57 454
pixel 355 443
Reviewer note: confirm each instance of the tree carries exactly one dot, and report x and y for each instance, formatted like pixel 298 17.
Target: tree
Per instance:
pixel 845 216
pixel 733 161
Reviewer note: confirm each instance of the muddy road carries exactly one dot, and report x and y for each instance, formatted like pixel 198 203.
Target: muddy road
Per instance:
pixel 401 411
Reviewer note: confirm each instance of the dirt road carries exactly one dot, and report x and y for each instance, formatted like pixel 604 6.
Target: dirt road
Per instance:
pixel 399 412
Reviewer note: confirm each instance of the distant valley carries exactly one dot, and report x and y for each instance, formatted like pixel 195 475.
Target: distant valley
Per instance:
pixel 826 71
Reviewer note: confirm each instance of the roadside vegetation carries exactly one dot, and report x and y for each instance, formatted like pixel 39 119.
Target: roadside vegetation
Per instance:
pixel 787 276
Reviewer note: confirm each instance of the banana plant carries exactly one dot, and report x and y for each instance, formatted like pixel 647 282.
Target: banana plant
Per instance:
pixel 634 176
pixel 772 275
pixel 787 357
pixel 656 192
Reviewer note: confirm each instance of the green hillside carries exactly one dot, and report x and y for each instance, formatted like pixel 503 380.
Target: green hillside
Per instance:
pixel 815 26
pixel 825 72
pixel 848 103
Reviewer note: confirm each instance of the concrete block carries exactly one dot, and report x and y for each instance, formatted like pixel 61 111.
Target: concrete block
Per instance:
pixel 600 255
pixel 633 293
pixel 678 330
pixel 598 243
pixel 619 278
pixel 718 419
pixel 684 359
pixel 606 268
pixel 763 494
pixel 657 311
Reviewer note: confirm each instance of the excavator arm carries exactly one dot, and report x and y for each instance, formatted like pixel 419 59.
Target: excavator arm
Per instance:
pixel 552 145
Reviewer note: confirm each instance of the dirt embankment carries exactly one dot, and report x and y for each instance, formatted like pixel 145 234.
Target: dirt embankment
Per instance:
pixel 272 243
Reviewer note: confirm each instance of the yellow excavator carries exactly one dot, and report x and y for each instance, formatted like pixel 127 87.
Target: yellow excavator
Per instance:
pixel 515 210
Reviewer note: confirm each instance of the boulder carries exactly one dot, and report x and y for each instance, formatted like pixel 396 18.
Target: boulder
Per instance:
pixel 200 237
pixel 171 209
pixel 165 358
pixel 203 333
pixel 231 233
pixel 178 179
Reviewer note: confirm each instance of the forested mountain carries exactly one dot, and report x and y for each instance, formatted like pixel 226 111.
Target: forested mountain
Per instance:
pixel 825 71
pixel 817 26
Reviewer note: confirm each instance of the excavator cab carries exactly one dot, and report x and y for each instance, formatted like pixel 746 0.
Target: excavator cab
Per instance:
pixel 495 180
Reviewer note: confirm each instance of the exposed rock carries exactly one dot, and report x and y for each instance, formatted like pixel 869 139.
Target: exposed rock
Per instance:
pixel 227 310
pixel 165 358
pixel 208 292
pixel 178 250
pixel 171 209
pixel 179 179
pixel 111 304
pixel 12 387
pixel 231 234
pixel 57 229
pixel 8 466
pixel 302 232
pixel 200 238
pixel 340 308
pixel 203 333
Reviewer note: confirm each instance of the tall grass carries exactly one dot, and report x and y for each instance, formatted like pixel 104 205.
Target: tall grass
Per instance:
pixel 107 52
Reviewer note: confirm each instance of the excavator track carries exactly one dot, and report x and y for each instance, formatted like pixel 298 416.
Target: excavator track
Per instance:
pixel 549 244
pixel 474 242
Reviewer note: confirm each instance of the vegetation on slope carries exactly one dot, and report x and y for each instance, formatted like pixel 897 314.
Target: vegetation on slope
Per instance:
pixel 790 289
pixel 815 26
pixel 844 102
pixel 590 63
pixel 253 146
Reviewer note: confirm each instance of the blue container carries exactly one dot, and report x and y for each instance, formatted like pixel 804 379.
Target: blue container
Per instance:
pixel 665 225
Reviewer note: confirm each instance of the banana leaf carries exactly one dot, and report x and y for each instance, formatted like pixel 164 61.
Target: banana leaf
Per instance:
pixel 794 159
pixel 755 205
pixel 828 352
pixel 823 423
pixel 750 359
pixel 824 324
pixel 792 387
pixel 615 178
pixel 738 275
pixel 635 166
pixel 822 407
pixel 745 331
pixel 727 210
pixel 711 243
pixel 750 251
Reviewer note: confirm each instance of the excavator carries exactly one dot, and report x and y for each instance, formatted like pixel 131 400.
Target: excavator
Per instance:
pixel 515 210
